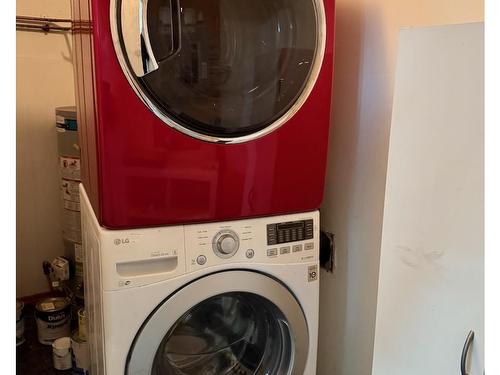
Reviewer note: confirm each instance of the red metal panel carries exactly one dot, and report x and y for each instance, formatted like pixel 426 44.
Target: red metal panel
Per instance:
pixel 85 93
pixel 148 174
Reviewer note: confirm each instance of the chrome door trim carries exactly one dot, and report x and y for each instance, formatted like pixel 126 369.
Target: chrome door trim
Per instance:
pixel 313 76
pixel 157 325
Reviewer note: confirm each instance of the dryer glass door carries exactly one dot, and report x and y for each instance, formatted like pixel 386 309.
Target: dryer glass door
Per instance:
pixel 221 69
pixel 237 328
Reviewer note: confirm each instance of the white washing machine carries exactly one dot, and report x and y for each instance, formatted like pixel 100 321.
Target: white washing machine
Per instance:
pixel 238 297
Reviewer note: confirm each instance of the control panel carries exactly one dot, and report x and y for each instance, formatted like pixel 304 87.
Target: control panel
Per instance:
pixel 281 239
pixel 138 257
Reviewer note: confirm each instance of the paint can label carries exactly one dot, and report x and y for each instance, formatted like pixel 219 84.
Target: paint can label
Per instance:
pixel 79 253
pixel 70 194
pixel 72 226
pixel 70 168
pixel 79 270
pixel 79 260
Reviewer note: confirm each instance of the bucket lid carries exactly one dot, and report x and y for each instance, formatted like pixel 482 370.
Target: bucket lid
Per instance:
pixel 68 112
pixel 52 304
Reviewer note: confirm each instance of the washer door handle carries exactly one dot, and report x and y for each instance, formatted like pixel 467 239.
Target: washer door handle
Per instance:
pixel 465 353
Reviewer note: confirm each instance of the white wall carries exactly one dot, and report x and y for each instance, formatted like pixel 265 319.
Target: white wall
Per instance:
pixel 365 57
pixel 44 81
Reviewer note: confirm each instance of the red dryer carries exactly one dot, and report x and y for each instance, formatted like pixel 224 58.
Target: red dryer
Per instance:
pixel 202 110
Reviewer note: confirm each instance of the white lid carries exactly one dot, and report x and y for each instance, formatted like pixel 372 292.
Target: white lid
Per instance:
pixel 62 343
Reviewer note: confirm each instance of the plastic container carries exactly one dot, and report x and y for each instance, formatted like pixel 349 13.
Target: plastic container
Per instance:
pixel 82 324
pixel 61 353
pixel 81 354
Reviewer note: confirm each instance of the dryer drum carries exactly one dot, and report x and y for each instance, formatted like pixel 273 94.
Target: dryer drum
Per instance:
pixel 223 69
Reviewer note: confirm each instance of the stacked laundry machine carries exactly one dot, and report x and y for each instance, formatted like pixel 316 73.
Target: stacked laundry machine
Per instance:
pixel 204 135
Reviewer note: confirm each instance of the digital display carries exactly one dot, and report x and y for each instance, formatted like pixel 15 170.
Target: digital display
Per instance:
pixel 289 232
pixel 291 224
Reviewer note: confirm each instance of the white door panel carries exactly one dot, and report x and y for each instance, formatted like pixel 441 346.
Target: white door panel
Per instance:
pixel 431 267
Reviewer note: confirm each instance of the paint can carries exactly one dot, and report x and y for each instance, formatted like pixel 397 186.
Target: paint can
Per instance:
pixel 81 354
pixel 19 323
pixel 82 324
pixel 53 319
pixel 61 353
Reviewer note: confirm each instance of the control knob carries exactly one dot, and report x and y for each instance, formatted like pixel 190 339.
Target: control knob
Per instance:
pixel 226 243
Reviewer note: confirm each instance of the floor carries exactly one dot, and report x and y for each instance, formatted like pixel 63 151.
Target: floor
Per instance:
pixel 33 358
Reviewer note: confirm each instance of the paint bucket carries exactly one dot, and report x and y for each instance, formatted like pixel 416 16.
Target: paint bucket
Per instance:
pixel 81 355
pixel 61 353
pixel 82 324
pixel 19 323
pixel 53 319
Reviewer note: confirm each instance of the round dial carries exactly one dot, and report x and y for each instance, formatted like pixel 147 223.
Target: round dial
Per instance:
pixel 226 243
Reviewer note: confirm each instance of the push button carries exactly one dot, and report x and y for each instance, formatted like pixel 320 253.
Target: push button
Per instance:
pixel 272 252
pixel 296 248
pixel 250 253
pixel 309 246
pixel 285 250
pixel 201 260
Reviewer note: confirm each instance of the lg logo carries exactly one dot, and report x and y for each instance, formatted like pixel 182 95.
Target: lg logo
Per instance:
pixel 120 241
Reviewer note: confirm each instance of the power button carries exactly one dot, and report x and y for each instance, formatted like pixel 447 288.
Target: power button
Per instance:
pixel 201 260
pixel 250 253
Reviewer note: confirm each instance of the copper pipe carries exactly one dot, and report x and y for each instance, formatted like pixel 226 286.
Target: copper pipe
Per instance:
pixel 45 28
pixel 43 24
pixel 43 19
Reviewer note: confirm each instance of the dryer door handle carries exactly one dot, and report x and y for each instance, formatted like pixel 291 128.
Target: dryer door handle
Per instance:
pixel 135 36
pixel 175 28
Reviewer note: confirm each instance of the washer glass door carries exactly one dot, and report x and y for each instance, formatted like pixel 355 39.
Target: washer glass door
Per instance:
pixel 233 333
pixel 220 69
pixel 233 322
